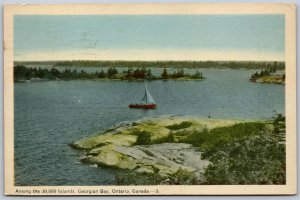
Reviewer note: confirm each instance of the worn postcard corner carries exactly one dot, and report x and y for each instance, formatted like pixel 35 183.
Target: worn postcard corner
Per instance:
pixel 140 99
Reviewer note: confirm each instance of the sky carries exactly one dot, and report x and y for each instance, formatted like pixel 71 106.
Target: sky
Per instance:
pixel 149 37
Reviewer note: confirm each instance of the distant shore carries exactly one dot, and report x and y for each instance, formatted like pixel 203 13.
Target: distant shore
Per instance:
pixel 158 64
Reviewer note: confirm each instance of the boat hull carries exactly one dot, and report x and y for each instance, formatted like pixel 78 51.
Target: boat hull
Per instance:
pixel 143 106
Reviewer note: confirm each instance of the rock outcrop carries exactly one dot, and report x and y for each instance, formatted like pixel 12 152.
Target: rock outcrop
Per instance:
pixel 117 147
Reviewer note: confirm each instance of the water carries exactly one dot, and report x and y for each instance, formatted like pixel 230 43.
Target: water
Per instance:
pixel 50 115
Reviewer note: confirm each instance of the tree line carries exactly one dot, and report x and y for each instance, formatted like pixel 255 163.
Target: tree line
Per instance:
pixel 163 64
pixel 22 72
pixel 179 73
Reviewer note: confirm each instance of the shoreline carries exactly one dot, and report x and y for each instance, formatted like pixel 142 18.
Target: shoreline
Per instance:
pixel 184 146
pixel 271 79
pixel 108 79
pixel 117 147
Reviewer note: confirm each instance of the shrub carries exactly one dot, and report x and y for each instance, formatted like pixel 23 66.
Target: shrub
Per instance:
pixel 210 139
pixel 180 177
pixel 132 178
pixel 144 138
pixel 169 138
pixel 182 125
pixel 251 160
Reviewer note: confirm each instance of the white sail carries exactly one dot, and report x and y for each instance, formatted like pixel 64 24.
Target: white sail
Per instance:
pixel 147 97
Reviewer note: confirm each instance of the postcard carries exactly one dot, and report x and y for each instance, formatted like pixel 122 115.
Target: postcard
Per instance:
pixel 150 99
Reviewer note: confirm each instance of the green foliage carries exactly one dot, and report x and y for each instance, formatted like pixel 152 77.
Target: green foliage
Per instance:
pixel 252 160
pixel 182 125
pixel 267 70
pixel 180 177
pixel 166 64
pixel 197 75
pixel 179 73
pixel 143 138
pixel 111 72
pixel 164 74
pixel 279 118
pixel 132 178
pixel 210 139
pixel 244 153
pixel 21 72
pixel 101 74
pixel 168 139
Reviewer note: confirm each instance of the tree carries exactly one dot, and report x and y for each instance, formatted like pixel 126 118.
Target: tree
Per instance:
pixel 54 72
pixel 139 73
pixel 149 74
pixel 101 74
pixel 111 71
pixel 197 75
pixel 19 72
pixel 28 74
pixel 164 74
pixel 144 138
pixel 67 74
pixel 74 73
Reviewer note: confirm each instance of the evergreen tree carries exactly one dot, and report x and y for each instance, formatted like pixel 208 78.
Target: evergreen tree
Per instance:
pixel 164 74
pixel 111 71
pixel 53 72
pixel 149 74
pixel 101 74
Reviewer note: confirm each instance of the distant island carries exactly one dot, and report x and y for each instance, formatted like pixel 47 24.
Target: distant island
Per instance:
pixel 23 73
pixel 270 75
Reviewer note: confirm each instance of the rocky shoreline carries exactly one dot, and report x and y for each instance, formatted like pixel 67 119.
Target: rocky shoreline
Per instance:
pixel 275 79
pixel 117 147
pixel 191 150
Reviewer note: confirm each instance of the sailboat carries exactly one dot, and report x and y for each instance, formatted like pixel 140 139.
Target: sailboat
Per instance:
pixel 148 101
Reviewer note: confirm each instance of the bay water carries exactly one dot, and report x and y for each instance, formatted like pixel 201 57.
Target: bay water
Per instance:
pixel 50 115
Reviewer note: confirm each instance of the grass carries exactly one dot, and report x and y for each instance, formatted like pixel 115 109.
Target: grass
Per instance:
pixel 144 138
pixel 210 139
pixel 182 125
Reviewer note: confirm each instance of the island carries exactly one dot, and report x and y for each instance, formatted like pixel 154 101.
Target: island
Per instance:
pixel 23 73
pixel 190 150
pixel 273 74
